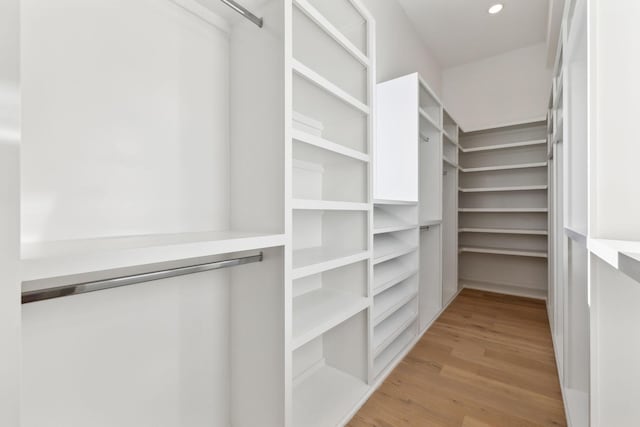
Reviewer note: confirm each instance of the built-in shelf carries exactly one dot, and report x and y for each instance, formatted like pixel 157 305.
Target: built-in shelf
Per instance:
pixel 498 251
pixel 314 313
pixel 504 146
pixel 387 303
pixel 448 137
pixel 385 222
pixel 611 251
pixel 504 189
pixel 325 397
pixel 505 167
pixel 430 222
pixel 386 247
pixel 629 264
pixel 315 78
pixel 391 353
pixel 504 231
pixel 49 262
pixel 325 205
pixel 576 235
pixel 390 274
pixel 394 202
pixel 449 162
pixel 325 144
pixel 319 259
pixel 504 210
pixel 332 31
pixel 429 119
pixel 386 332
pixel 502 288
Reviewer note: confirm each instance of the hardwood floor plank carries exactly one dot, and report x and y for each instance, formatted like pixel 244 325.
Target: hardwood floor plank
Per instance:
pixel 487 361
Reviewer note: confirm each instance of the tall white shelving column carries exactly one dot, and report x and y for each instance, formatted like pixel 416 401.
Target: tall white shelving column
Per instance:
pixel 332 75
pixel 10 215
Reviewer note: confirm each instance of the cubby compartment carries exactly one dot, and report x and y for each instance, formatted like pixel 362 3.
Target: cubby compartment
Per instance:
pixel 389 273
pixel 499 199
pixel 327 380
pixel 345 17
pixel 449 127
pixel 385 359
pixel 390 328
pixel 391 300
pixel 326 299
pixel 430 106
pixel 322 53
pixel 392 245
pixel 341 121
pixel 389 218
pixel 324 175
pixel 327 239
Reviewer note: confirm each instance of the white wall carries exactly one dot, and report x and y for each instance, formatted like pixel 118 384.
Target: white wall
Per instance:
pixel 509 88
pixel 9 214
pixel 400 50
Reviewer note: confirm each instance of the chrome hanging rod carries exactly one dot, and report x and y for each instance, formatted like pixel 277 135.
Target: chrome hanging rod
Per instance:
pixel 243 11
pixel 116 282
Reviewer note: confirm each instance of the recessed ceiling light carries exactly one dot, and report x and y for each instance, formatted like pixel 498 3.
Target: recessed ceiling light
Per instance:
pixel 496 8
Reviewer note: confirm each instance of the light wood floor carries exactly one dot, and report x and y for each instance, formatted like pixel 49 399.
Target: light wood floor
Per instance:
pixel 487 361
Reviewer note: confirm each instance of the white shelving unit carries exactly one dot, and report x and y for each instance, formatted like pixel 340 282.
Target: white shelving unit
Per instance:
pixel 503 210
pixel 331 211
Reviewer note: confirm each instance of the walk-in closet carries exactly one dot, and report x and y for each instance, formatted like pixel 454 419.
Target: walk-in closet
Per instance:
pixel 319 213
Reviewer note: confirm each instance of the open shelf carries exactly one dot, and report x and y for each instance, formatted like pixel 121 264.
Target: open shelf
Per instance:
pixel 390 273
pixel 611 251
pixel 386 222
pixel 319 142
pixel 316 260
pixel 429 119
pixel 504 210
pixel 497 251
pixel 520 291
pixel 504 189
pixel 391 300
pixel 504 146
pixel 504 231
pixel 316 312
pixel 505 167
pixel 325 397
pixel 55 259
pixel 450 162
pixel 392 327
pixel 326 205
pixel 388 247
pixel 576 235
pixel 313 14
pixel 384 359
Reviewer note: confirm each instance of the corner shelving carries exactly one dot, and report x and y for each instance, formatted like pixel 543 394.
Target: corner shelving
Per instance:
pixel 503 209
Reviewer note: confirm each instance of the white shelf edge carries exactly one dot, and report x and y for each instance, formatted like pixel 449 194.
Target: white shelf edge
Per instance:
pixel 508 252
pixel 59 263
pixel 330 322
pixel 449 162
pixel 396 333
pixel 394 228
pixel 504 231
pixel 610 251
pixel 309 270
pixel 332 31
pixel 397 306
pixel 504 210
pixel 503 288
pixel 396 254
pixel 629 264
pixel 325 205
pixel 327 86
pixel 505 167
pixel 430 222
pixel 576 236
pixel 391 283
pixel 429 119
pixel 325 144
pixel 394 202
pixel 504 189
pixel 449 137
pixel 504 146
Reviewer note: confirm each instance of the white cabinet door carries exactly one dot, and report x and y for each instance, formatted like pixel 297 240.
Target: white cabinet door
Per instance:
pixel 396 144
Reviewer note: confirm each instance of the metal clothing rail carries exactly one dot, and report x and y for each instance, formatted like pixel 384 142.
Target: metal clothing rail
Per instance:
pixel 243 11
pixel 99 285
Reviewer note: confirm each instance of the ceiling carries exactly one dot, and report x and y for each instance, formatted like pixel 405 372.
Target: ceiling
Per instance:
pixel 462 31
